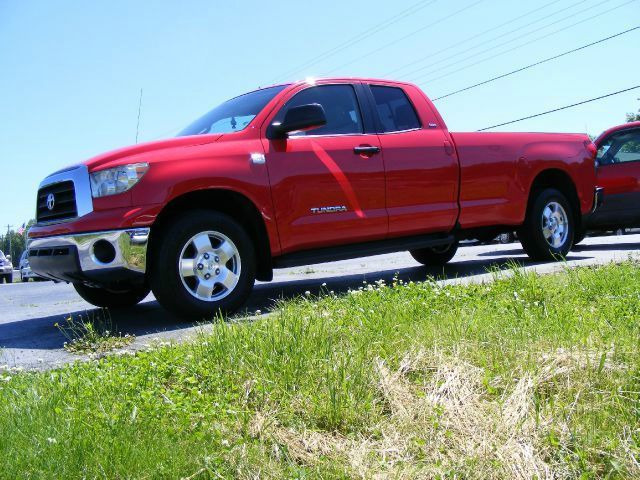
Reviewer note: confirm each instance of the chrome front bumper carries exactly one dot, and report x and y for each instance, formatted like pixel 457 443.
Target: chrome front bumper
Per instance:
pixel 94 258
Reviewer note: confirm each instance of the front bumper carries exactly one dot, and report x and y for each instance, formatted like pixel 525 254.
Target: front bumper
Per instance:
pixel 5 270
pixel 101 259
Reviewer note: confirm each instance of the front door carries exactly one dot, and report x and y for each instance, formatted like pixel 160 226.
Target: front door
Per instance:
pixel 327 183
pixel 619 174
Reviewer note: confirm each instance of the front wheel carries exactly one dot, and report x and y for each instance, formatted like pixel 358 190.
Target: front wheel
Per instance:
pixel 101 297
pixel 205 265
pixel 548 229
pixel 435 256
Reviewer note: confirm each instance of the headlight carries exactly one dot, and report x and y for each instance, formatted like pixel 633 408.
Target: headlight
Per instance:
pixel 116 180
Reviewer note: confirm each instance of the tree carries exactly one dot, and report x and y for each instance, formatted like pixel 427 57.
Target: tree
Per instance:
pixel 633 117
pixel 12 243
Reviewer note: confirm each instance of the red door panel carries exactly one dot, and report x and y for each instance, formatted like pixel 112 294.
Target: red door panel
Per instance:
pixel 422 182
pixel 324 193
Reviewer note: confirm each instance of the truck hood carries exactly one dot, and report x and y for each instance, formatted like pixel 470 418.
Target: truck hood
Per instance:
pixel 111 158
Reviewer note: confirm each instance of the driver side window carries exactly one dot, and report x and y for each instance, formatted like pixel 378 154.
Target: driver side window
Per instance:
pixel 621 147
pixel 340 107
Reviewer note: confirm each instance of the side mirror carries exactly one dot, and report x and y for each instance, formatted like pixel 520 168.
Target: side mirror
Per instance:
pixel 8 257
pixel 304 117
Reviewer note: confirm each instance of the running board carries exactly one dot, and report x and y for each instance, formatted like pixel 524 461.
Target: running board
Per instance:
pixel 356 250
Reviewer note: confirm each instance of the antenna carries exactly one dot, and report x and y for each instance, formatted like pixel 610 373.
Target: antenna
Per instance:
pixel 139 110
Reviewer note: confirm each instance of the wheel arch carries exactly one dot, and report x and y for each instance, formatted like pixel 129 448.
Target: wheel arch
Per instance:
pixel 561 181
pixel 231 203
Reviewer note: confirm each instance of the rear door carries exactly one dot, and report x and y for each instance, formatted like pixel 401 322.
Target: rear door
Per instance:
pixel 420 162
pixel 327 183
pixel 619 173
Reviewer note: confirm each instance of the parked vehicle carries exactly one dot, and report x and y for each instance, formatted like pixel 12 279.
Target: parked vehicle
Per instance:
pixel 25 269
pixel 6 268
pixel 298 174
pixel 618 173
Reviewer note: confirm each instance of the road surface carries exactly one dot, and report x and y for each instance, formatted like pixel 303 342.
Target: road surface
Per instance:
pixel 28 311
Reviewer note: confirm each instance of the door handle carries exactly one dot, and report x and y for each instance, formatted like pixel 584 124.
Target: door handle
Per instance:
pixel 366 150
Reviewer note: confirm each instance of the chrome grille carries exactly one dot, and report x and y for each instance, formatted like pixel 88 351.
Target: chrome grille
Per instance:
pixel 57 202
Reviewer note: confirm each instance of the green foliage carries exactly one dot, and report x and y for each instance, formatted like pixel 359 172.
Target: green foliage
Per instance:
pixel 633 117
pixel 11 243
pixel 412 380
pixel 95 333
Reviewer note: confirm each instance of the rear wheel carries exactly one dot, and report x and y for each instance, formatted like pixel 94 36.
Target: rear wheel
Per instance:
pixel 548 229
pixel 8 278
pixel 435 256
pixel 204 265
pixel 579 236
pixel 505 238
pixel 101 297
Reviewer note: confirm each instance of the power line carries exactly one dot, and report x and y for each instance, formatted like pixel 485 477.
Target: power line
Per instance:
pixel 535 64
pixel 426 78
pixel 479 45
pixel 561 108
pixel 501 44
pixel 398 40
pixel 359 37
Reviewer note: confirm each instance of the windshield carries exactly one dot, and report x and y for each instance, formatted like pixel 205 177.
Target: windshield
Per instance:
pixel 233 115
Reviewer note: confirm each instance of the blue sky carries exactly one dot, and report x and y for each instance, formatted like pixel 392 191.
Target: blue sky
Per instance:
pixel 71 72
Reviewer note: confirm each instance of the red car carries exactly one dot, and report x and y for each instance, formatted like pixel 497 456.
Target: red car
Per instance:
pixel 618 173
pixel 297 174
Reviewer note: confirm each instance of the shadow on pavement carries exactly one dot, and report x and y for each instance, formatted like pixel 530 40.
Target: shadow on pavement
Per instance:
pixel 150 317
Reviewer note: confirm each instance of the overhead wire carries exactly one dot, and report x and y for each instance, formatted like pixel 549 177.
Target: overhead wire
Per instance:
pixel 535 64
pixel 357 38
pixel 560 108
pixel 404 37
pixel 427 78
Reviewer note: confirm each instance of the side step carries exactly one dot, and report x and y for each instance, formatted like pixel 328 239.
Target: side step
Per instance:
pixel 365 249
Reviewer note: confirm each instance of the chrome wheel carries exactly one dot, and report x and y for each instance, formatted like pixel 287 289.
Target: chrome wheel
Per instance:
pixel 555 224
pixel 209 266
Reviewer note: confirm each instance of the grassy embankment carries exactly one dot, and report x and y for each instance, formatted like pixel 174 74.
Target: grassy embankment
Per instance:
pixel 532 376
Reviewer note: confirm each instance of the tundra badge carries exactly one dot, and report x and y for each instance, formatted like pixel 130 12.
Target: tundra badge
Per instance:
pixel 338 208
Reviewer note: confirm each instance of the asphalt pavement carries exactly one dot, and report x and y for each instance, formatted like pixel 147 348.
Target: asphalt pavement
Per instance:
pixel 29 311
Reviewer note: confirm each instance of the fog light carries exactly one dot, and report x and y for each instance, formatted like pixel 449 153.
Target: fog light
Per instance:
pixel 103 251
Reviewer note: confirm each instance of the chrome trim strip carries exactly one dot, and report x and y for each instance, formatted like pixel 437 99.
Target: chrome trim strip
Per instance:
pixel 598 193
pixel 130 246
pixel 80 177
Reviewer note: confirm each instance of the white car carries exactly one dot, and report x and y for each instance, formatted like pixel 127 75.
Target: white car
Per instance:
pixel 6 268
pixel 25 269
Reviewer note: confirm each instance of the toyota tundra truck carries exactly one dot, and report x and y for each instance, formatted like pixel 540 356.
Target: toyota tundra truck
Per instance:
pixel 295 174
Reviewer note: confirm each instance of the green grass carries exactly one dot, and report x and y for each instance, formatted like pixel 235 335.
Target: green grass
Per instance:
pixel 530 376
pixel 92 334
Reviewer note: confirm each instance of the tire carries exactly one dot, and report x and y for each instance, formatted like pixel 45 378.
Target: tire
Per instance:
pixel 579 235
pixel 204 266
pixel 505 238
pixel 548 230
pixel 435 256
pixel 103 298
pixel 9 278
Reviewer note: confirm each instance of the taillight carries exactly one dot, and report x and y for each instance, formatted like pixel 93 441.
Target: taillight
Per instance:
pixel 591 148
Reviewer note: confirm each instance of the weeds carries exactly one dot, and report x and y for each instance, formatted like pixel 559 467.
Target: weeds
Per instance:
pixel 92 334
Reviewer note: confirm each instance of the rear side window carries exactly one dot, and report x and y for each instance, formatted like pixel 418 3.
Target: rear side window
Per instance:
pixel 340 106
pixel 394 109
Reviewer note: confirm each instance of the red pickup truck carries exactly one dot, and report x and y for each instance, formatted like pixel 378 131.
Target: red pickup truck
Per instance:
pixel 297 174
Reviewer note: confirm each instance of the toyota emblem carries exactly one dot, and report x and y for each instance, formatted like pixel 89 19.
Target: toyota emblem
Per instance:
pixel 51 201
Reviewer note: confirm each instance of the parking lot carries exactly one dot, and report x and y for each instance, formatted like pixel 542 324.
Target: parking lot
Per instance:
pixel 29 311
